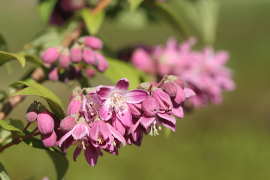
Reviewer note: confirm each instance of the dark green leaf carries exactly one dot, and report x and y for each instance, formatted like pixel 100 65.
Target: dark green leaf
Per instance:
pixel 6 57
pixel 45 9
pixel 119 69
pixel 93 21
pixel 35 89
pixel 60 162
pixel 3 173
pixel 34 142
pixel 3 44
pixel 7 126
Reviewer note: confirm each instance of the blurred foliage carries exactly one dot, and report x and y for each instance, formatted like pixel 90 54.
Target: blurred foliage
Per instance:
pixel 230 141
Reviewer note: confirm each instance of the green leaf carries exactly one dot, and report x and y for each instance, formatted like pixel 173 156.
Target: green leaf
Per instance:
pixel 33 59
pixel 6 57
pixel 7 126
pixel 93 21
pixel 3 173
pixel 35 89
pixel 45 9
pixel 3 44
pixel 60 162
pixel 134 4
pixel 119 69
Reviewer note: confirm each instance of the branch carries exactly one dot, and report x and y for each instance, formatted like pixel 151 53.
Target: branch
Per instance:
pixel 38 75
pixel 101 5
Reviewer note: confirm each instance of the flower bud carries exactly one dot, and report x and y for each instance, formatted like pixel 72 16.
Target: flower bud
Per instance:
pixel 90 72
pixel 76 54
pixel 93 42
pixel 150 106
pixel 72 5
pixel 49 140
pixel 31 116
pixel 102 63
pixel 74 106
pixel 64 59
pixel 53 75
pixel 89 56
pixel 67 123
pixel 45 123
pixel 50 55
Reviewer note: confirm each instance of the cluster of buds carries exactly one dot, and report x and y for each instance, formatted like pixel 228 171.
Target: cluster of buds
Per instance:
pixel 46 123
pixel 70 63
pixel 105 118
pixel 203 71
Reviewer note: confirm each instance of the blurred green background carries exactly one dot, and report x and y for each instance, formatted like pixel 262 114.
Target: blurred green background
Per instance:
pixel 227 141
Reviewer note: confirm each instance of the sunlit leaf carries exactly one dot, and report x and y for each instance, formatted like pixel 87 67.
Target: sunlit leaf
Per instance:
pixel 3 173
pixel 6 57
pixel 119 69
pixel 93 21
pixel 45 9
pixel 35 89
pixel 7 126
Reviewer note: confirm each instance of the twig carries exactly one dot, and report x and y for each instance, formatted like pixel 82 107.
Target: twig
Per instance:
pixel 101 5
pixel 38 75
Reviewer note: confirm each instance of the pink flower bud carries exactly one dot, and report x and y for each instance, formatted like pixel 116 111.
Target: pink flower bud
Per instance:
pixel 45 123
pixel 50 55
pixel 74 106
pixel 150 106
pixel 90 72
pixel 31 116
pixel 49 140
pixel 93 42
pixel 64 59
pixel 67 123
pixel 53 75
pixel 76 54
pixel 102 63
pixel 89 56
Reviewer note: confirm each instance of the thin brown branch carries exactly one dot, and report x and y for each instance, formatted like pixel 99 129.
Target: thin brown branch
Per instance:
pixel 101 5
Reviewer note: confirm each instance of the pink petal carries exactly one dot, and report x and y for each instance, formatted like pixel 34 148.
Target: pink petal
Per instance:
pixel 189 92
pixel 146 122
pixel 80 131
pixel 77 152
pixel 136 96
pixel 117 134
pixel 64 138
pixel 122 84
pixel 125 117
pixel 94 132
pixel 178 112
pixel 105 112
pixel 104 91
pixel 167 117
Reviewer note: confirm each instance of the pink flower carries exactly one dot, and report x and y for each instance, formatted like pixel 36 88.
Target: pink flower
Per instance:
pixel 76 54
pixel 45 123
pixel 53 75
pixel 31 116
pixel 49 140
pixel 92 42
pixel 50 55
pixel 143 60
pixel 65 59
pixel 116 100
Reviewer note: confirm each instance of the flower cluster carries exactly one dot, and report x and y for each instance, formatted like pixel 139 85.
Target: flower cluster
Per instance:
pixel 105 118
pixel 66 64
pixel 46 123
pixel 203 71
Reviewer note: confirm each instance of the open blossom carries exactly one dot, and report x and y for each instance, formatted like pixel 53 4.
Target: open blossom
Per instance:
pixel 116 100
pixel 203 71
pixel 83 58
